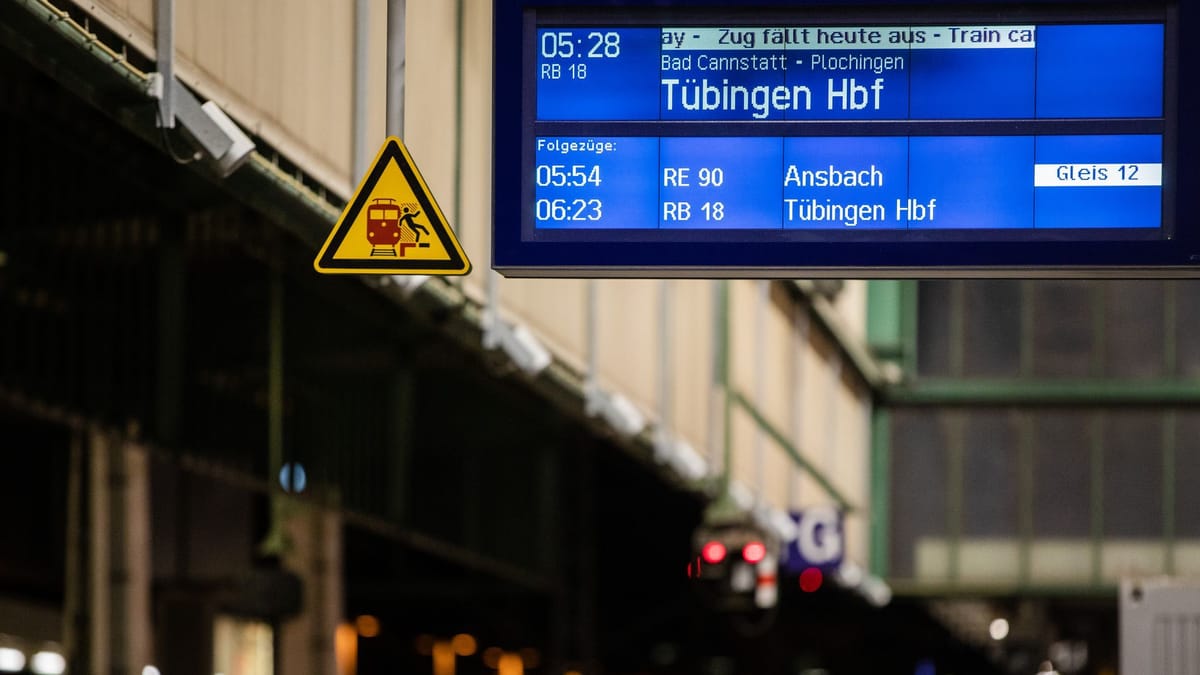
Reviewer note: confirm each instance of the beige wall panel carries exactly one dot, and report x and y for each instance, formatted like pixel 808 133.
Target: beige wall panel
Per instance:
pixel 627 339
pixel 313 53
pixel 778 469
pixel 809 492
pixel 852 477
pixel 336 133
pixel 240 47
pixel 819 414
pixel 186 31
pixel 821 394
pixel 141 13
pixel 811 427
pixel 119 8
pixel 267 83
pixel 742 467
pixel 742 335
pixel 555 309
pixel 376 79
pixel 475 220
pixel 692 354
pixel 429 94
pixel 851 445
pixel 778 366
pixel 210 21
pixel 830 456
pixel 293 113
pixel 132 20
pixel 856 538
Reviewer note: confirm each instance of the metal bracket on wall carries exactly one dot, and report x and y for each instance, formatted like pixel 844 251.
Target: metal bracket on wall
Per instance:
pixel 164 45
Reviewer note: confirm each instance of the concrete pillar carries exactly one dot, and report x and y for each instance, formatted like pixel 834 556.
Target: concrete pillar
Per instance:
pixel 120 632
pixel 306 642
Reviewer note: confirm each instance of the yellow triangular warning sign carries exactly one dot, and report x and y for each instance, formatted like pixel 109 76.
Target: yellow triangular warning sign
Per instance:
pixel 392 225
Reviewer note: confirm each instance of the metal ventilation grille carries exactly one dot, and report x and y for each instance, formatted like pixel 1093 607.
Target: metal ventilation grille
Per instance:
pixel 1176 644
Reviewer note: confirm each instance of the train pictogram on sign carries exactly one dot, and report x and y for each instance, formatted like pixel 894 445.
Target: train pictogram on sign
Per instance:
pixel 390 225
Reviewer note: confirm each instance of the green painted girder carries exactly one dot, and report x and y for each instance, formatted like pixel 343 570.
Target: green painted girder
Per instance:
pixel 917 588
pixel 736 398
pixel 1014 391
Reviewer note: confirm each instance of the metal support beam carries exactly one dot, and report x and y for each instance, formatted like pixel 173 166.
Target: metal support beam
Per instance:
pixel 1026 485
pixel 737 399
pixel 164 46
pixel 666 374
pixel 75 624
pixel 825 316
pixel 761 297
pixel 395 67
pixel 1170 424
pixel 800 413
pixel 881 484
pixel 956 450
pixel 591 377
pixel 362 53
pixel 1082 392
pixel 172 273
pixel 585 535
pixel 100 545
pixel 275 375
pixel 550 555
pixel 1096 434
pixel 722 372
pixel 459 49
pixel 400 444
pixel 884 310
pixel 277 541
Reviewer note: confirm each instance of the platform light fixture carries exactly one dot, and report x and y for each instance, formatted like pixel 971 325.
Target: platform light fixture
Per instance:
pixel 525 349
pixel 48 662
pixel 681 457
pixel 408 283
pixel 11 660
pixel 620 413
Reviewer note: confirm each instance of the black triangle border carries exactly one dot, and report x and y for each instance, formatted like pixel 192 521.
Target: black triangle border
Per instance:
pixel 392 152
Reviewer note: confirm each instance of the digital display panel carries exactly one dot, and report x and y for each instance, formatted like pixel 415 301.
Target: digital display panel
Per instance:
pixel 702 139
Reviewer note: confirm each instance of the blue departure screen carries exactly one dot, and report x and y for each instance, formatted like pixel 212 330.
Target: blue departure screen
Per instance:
pixel 916 128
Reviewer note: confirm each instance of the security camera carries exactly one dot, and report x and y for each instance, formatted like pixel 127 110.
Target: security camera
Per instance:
pixel 240 147
pixel 207 125
pixel 622 415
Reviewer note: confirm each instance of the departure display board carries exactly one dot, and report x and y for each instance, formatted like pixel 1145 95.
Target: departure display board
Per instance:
pixel 881 141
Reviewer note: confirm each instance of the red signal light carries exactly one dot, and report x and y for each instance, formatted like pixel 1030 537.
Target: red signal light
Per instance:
pixel 810 580
pixel 713 552
pixel 754 552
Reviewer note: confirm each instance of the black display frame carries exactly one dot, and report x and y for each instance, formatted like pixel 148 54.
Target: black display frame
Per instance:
pixel 520 250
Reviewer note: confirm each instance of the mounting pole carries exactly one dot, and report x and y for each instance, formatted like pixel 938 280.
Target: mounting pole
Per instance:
pixel 395 68
pixel 164 45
